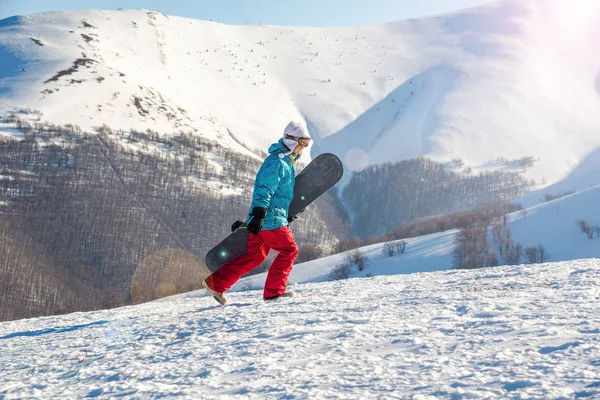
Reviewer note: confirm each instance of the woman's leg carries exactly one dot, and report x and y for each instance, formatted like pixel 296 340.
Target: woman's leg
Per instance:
pixel 282 241
pixel 222 279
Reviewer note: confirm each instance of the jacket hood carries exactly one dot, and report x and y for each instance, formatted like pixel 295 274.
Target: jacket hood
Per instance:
pixel 281 149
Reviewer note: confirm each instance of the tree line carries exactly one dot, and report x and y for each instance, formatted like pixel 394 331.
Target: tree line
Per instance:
pixel 488 242
pixel 383 197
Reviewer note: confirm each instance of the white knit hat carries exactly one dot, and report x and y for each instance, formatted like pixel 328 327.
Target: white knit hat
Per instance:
pixel 294 130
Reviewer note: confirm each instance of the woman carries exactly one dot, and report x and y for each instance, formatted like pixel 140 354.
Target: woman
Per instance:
pixel 268 221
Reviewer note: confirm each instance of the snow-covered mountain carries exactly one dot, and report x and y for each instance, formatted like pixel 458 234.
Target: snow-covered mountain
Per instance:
pixel 511 79
pixel 506 332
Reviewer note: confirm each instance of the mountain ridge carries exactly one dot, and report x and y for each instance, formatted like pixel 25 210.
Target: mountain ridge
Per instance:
pixel 241 84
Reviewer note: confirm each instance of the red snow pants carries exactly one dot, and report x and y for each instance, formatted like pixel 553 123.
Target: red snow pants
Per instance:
pixel 281 240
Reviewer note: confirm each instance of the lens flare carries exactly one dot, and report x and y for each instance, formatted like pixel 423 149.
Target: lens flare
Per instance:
pixel 167 272
pixel 578 12
pixel 356 160
pixel 585 5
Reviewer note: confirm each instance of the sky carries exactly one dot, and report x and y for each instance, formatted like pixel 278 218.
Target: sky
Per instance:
pixel 271 12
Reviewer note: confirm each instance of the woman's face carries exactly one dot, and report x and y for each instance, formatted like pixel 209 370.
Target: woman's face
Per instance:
pixel 302 143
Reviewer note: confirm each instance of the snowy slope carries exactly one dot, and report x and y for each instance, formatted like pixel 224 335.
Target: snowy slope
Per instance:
pixel 506 332
pixel 510 79
pixel 586 174
pixel 554 226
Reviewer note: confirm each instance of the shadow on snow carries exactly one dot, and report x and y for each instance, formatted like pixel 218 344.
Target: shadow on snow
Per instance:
pixel 52 330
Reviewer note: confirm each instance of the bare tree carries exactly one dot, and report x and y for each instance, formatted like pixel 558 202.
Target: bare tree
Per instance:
pixel 357 258
pixel 471 249
pixel 513 253
pixel 372 239
pixel 554 196
pixel 401 246
pixel 536 254
pixel 491 260
pixel 543 254
pixel 583 225
pixel 389 249
pixel 531 252
pixel 349 244
pixel 308 253
pixel 341 271
pixel 523 213
pixel 502 237
pixel 458 162
pixel 585 228
pixel 526 162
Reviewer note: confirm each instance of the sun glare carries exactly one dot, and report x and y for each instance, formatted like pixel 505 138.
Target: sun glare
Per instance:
pixel 586 6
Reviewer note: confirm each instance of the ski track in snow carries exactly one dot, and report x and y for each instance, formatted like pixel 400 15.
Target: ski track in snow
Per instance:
pixel 504 332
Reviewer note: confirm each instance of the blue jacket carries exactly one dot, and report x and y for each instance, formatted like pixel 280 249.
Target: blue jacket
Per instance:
pixel 274 187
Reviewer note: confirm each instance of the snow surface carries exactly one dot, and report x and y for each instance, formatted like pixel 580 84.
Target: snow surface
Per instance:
pixel 504 332
pixel 510 79
pixel 553 225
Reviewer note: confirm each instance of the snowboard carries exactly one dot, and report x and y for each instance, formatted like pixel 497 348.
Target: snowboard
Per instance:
pixel 320 175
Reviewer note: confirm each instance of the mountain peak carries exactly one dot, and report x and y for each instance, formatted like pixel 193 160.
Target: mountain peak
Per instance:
pixel 485 83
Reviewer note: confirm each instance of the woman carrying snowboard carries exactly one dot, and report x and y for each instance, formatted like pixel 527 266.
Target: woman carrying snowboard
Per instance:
pixel 268 222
